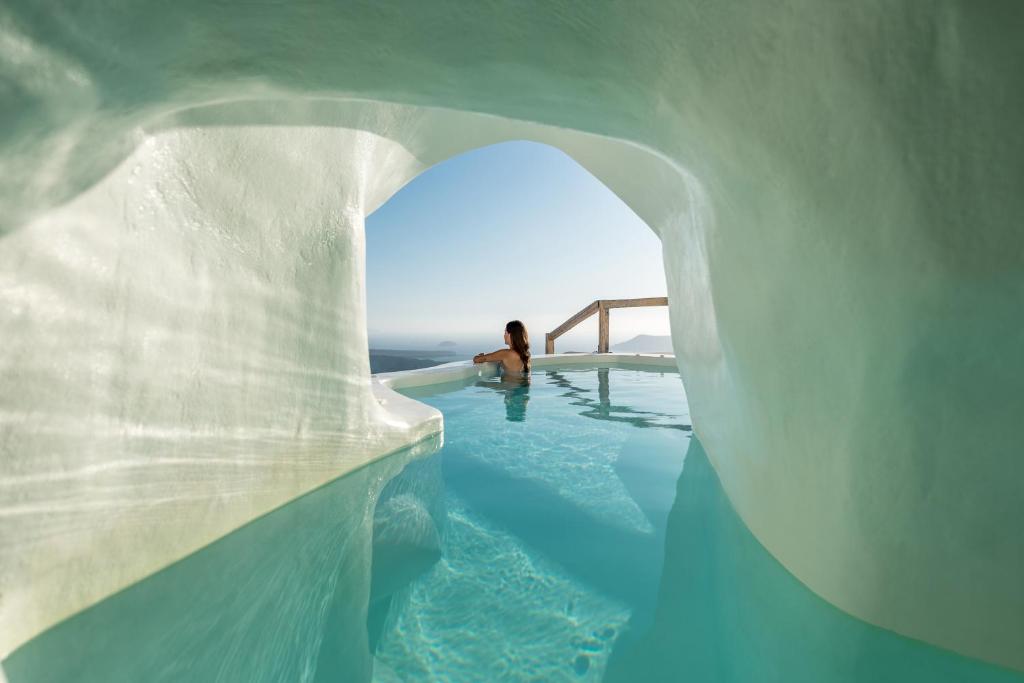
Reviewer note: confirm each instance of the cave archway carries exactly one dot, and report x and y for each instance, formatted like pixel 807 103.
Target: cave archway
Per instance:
pixel 821 240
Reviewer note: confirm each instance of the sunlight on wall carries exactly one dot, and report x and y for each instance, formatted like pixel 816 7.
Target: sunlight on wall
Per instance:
pixel 181 279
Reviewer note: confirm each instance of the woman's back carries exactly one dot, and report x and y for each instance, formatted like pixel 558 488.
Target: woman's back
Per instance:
pixel 512 363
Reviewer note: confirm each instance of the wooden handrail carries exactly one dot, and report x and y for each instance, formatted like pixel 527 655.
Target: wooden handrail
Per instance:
pixel 572 322
pixel 601 307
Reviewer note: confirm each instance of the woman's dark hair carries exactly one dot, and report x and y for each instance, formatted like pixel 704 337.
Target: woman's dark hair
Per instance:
pixel 520 342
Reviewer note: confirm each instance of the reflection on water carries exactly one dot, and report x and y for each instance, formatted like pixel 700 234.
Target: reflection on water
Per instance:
pixel 604 409
pixel 516 390
pixel 281 599
pixel 408 524
pixel 728 611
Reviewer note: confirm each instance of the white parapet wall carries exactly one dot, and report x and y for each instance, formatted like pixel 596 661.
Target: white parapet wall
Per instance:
pixel 182 304
pixel 462 370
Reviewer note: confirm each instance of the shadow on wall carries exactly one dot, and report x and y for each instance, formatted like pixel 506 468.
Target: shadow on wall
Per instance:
pixel 728 611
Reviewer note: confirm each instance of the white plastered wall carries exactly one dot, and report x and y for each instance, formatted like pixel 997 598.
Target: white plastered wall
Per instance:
pixel 834 189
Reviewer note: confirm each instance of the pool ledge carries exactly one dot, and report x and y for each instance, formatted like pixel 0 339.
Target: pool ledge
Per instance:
pixel 416 421
pixel 386 382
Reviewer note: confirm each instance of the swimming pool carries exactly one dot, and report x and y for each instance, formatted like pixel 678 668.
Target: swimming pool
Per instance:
pixel 574 545
pixel 571 529
pixel 550 499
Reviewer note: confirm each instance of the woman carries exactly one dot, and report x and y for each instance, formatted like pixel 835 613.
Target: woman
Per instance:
pixel 515 360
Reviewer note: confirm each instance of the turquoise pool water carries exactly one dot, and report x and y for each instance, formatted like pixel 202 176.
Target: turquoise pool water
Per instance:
pixel 568 530
pixel 551 500
pixel 583 536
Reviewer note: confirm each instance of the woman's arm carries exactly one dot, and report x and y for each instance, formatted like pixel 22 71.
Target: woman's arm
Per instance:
pixel 494 356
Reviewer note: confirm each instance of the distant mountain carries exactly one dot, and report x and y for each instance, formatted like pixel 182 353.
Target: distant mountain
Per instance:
pixel 645 343
pixel 447 343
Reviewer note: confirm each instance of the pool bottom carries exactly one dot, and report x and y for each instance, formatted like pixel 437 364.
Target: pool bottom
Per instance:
pixel 513 614
pixel 726 610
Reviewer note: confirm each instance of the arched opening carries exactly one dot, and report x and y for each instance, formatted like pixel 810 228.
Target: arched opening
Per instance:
pixel 229 247
pixel 516 230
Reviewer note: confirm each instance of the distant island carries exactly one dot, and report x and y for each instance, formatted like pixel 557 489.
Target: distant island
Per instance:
pixel 645 343
pixel 447 343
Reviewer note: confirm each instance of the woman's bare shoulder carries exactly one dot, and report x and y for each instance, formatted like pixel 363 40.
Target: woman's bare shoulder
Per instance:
pixel 501 355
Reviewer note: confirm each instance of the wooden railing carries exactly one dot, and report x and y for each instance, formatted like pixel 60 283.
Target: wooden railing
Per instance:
pixel 601 307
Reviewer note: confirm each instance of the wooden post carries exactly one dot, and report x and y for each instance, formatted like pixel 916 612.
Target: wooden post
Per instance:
pixel 602 327
pixel 601 307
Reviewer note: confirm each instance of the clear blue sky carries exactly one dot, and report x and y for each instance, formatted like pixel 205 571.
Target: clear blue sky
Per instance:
pixel 515 230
